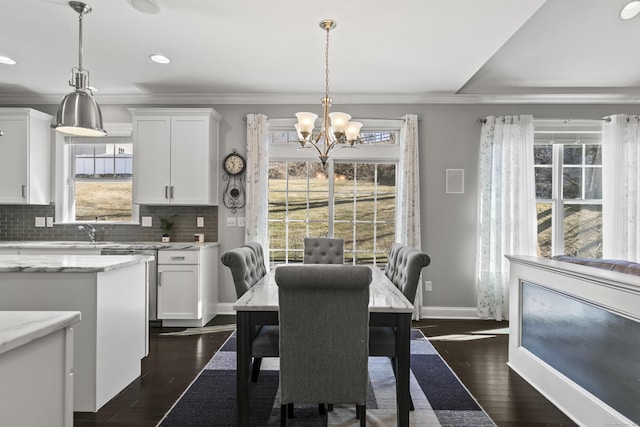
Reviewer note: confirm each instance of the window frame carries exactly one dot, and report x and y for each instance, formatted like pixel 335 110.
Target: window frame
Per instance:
pixel 360 154
pixel 64 182
pixel 555 130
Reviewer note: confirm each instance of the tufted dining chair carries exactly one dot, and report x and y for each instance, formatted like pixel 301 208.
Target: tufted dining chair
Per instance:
pixel 404 265
pixel 261 268
pixel 323 250
pixel 247 270
pixel 320 359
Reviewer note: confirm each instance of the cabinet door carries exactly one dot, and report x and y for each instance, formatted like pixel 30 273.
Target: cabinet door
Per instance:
pixel 151 159
pixel 13 160
pixel 190 160
pixel 179 292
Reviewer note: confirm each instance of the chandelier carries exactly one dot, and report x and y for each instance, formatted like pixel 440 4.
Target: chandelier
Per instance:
pixel 336 128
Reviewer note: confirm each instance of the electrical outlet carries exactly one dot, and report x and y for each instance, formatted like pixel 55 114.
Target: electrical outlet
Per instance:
pixel 49 221
pixel 200 221
pixel 146 221
pixel 242 221
pixel 40 221
pixel 231 221
pixel 427 285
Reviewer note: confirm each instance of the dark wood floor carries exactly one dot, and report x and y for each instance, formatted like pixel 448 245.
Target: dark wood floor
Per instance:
pixel 174 361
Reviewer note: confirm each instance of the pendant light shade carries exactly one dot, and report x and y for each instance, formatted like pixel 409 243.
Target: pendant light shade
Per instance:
pixel 79 114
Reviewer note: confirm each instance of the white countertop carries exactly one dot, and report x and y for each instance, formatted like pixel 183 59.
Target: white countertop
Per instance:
pixel 68 263
pixel 62 244
pixel 21 327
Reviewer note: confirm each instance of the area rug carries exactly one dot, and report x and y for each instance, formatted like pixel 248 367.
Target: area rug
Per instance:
pixel 440 399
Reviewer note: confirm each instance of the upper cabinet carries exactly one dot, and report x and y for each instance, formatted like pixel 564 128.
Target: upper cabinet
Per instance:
pixel 175 156
pixel 25 156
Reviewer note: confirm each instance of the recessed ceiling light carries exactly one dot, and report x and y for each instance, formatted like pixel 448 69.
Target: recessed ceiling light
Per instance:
pixel 7 60
pixel 160 59
pixel 145 6
pixel 630 10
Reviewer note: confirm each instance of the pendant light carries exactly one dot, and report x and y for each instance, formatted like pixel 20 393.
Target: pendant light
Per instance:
pixel 79 113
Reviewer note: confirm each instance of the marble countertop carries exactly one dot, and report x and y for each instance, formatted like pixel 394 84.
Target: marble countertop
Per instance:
pixel 18 328
pixel 62 244
pixel 68 263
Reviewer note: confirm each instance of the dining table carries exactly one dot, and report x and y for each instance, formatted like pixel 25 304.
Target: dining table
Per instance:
pixel 387 307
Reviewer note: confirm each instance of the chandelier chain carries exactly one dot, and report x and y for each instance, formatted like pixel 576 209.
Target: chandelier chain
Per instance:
pixel 326 65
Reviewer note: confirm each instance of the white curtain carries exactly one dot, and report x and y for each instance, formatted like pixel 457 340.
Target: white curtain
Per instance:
pixel 257 206
pixel 507 217
pixel 621 187
pixel 408 183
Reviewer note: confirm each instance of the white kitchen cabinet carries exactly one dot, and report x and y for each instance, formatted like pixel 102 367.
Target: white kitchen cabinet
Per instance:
pixel 25 152
pixel 187 286
pixel 175 156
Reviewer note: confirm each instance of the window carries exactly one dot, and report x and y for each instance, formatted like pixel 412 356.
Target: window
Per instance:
pixel 568 174
pixel 95 180
pixel 353 198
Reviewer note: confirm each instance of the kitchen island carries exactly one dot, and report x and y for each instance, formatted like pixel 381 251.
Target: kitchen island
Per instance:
pixel 109 292
pixel 36 365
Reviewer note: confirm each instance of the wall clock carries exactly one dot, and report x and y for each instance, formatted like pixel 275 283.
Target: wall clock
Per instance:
pixel 234 165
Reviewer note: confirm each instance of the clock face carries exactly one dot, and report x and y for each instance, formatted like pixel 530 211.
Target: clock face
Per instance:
pixel 234 164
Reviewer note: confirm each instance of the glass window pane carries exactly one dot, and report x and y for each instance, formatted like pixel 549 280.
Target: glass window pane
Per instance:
pixel 343 206
pixel 297 233
pixel 344 230
pixel 583 231
pixel 593 154
pixel 364 236
pixel 544 211
pixel 378 137
pixel 544 183
pixel 386 210
pixel 593 183
pixel 277 235
pixel 297 206
pixel 365 207
pixel 107 201
pixel 385 236
pixel 277 206
pixel 543 154
pixel 572 154
pixel 277 175
pixel 572 183
pixel 387 177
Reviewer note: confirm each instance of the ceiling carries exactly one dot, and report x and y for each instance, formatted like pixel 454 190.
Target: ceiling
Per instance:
pixel 250 51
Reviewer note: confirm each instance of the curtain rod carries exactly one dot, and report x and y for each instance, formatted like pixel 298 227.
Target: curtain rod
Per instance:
pixel 244 118
pixel 605 119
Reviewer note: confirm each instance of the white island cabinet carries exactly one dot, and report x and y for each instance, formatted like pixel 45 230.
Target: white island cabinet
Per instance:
pixel 110 294
pixel 175 156
pixel 36 367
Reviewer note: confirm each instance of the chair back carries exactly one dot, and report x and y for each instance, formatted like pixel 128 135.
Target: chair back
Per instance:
pixel 324 333
pixel 323 250
pixel 403 268
pixel 257 249
pixel 244 267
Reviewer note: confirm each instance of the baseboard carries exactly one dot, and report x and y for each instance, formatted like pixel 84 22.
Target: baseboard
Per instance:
pixel 226 308
pixel 436 312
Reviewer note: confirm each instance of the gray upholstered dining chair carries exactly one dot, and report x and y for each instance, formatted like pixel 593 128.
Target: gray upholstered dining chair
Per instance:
pixel 247 269
pixel 320 360
pixel 323 250
pixel 404 265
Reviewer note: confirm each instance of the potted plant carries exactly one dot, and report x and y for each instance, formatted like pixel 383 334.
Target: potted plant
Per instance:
pixel 166 225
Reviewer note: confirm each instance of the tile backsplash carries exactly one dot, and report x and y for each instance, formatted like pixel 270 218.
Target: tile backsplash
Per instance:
pixel 17 222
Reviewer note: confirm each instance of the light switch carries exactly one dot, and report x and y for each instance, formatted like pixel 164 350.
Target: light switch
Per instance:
pixel 200 221
pixel 231 221
pixel 40 221
pixel 242 221
pixel 49 221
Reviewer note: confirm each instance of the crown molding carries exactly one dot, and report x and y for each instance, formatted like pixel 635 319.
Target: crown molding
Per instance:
pixel 341 99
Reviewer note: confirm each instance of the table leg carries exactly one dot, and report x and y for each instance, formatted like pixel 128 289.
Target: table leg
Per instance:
pixel 403 353
pixel 243 361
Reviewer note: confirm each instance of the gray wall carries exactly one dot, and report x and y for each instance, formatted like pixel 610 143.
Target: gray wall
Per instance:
pixel 449 138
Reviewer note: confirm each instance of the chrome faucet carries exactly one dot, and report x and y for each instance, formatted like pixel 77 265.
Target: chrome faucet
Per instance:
pixel 90 230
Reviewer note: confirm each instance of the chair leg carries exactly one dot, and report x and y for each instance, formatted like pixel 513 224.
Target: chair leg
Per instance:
pixel 395 374
pixel 290 410
pixel 361 414
pixel 321 409
pixel 283 415
pixel 255 370
pixel 330 409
